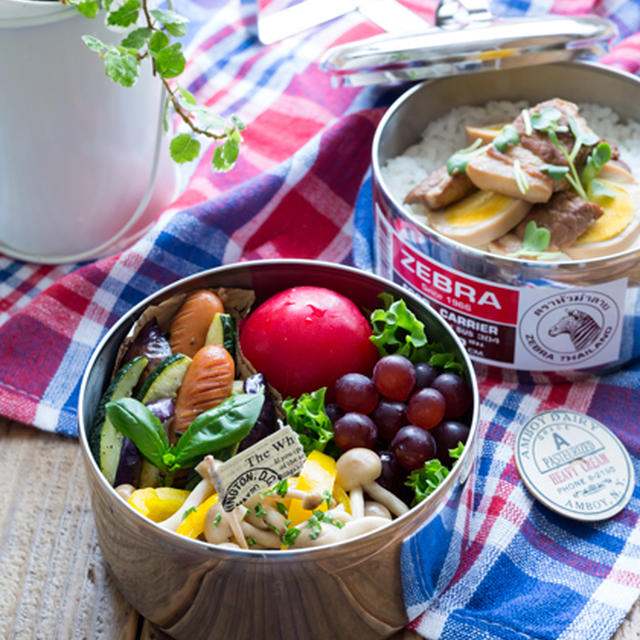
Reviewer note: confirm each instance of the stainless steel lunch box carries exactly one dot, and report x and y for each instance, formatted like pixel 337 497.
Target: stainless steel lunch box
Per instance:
pixel 508 311
pixel 195 591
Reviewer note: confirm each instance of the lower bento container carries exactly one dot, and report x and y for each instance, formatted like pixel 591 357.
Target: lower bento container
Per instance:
pixel 510 313
pixel 193 590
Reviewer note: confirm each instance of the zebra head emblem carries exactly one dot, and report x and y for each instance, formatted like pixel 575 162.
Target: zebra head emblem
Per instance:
pixel 580 326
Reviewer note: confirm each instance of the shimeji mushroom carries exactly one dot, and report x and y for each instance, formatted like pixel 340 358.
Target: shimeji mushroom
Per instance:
pixel 357 470
pixel 372 508
pixel 324 533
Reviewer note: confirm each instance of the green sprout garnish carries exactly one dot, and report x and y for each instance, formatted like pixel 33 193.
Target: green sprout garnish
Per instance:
pixel 508 135
pixel 290 536
pixel 187 512
pixel 458 162
pixel 521 178
pixel 526 119
pixel 259 511
pixel 216 520
pixel 534 243
pixel 282 508
pixel 548 121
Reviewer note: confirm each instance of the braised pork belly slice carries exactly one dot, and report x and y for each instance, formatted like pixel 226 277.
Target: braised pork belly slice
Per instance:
pixel 567 216
pixel 440 189
pixel 495 171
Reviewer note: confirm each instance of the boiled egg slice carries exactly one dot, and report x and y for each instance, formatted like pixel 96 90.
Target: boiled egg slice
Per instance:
pixel 479 218
pixel 619 227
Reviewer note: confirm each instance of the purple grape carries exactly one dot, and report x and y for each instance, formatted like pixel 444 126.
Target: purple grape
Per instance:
pixel 394 377
pixel 356 393
pixel 389 416
pixel 393 477
pixel 456 392
pixel 425 374
pixel 447 435
pixel 426 408
pixel 413 446
pixel 355 430
pixel 333 411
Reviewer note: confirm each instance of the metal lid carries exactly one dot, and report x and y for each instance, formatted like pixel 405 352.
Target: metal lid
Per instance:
pixel 484 43
pixel 574 465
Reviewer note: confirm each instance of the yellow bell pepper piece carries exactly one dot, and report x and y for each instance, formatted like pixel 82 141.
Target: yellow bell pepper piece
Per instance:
pixel 159 503
pixel 193 524
pixel 341 497
pixel 318 474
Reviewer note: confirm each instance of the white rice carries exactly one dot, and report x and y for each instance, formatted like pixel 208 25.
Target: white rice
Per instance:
pixel 446 135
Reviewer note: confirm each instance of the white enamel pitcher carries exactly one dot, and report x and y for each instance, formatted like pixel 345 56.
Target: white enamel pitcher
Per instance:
pixel 84 165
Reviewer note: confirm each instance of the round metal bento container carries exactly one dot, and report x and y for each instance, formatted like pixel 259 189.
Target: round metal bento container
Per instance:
pixel 194 590
pixel 523 300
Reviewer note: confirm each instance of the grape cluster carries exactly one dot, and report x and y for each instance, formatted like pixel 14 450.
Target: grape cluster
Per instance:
pixel 408 413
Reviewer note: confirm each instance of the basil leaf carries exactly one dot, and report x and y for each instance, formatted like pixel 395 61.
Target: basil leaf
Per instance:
pixel 508 135
pixel 136 422
pixel 555 171
pixel 217 428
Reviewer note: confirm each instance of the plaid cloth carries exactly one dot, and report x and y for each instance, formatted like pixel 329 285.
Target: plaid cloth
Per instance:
pixel 302 189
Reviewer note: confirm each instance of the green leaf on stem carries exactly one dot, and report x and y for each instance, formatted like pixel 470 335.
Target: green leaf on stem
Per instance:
pixel 170 61
pixel 457 163
pixel 173 22
pixel 88 8
pixel 121 66
pixel 184 148
pixel 158 41
pixel 226 154
pixel 555 171
pixel 125 15
pixel 94 44
pixel 137 38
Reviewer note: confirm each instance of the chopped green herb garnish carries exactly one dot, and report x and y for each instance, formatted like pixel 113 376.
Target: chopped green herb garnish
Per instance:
pixel 259 511
pixel 251 541
pixel 288 523
pixel 457 163
pixel 273 528
pixel 315 525
pixel 508 135
pixel 290 536
pixel 216 520
pixel 187 512
pixel 326 498
pixel 282 508
pixel 282 487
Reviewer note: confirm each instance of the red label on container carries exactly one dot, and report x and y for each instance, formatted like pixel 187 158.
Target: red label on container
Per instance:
pixel 472 296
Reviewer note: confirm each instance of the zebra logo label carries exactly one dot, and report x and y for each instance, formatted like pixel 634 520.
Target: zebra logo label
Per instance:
pixel 574 327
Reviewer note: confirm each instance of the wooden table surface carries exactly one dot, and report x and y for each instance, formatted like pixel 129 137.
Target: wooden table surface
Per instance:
pixel 55 585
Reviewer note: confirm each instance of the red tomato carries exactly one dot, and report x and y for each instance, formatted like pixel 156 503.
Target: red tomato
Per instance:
pixel 305 338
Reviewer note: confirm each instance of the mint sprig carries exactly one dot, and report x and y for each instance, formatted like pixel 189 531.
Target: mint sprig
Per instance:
pixel 150 36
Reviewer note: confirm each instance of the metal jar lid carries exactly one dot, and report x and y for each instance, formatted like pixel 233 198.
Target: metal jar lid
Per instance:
pixel 475 42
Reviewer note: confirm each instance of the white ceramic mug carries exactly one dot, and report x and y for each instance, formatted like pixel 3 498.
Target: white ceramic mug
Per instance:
pixel 84 167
